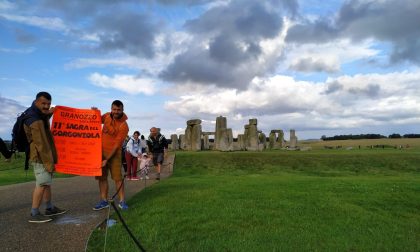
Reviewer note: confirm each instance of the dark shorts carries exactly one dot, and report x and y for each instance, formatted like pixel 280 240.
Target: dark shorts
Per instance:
pixel 157 158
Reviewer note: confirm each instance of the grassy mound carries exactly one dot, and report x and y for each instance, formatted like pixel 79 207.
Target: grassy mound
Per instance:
pixel 277 201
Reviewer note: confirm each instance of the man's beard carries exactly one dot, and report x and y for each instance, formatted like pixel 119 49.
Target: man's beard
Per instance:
pixel 117 116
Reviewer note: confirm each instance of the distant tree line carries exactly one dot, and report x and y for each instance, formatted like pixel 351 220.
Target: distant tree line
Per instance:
pixel 367 136
pixel 404 136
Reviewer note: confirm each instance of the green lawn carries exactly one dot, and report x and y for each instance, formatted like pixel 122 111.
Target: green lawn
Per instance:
pixel 13 172
pixel 278 201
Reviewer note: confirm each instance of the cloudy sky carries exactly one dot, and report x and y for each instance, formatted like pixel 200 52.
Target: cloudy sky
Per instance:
pixel 319 67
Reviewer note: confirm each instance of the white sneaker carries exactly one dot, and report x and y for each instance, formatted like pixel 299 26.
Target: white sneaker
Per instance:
pixel 147 177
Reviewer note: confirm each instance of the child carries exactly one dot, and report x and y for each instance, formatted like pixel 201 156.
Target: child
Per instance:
pixel 145 163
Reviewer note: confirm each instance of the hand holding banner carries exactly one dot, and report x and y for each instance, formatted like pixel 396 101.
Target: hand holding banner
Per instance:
pixel 77 135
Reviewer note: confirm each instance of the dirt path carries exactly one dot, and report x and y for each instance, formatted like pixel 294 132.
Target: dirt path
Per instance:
pixel 68 232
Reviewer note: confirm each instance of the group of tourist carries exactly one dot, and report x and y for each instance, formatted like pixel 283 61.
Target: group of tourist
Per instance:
pixel 136 160
pixel 135 157
pixel 43 155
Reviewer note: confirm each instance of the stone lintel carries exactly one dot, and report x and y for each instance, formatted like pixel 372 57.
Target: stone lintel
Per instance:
pixel 193 122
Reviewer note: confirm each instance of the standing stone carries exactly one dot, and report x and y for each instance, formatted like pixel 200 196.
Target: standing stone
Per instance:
pixel 205 145
pixel 206 142
pixel 196 138
pixel 293 139
pixel 280 139
pixel 246 136
pixel 272 140
pixel 223 136
pixel 252 135
pixel 188 132
pixel 276 139
pixel 182 142
pixel 193 135
pixel 219 139
pixel 253 121
pixel 174 142
pixel 229 136
pixel 262 140
pixel 241 142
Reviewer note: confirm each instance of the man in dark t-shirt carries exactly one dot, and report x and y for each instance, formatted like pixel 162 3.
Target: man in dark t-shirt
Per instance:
pixel 157 145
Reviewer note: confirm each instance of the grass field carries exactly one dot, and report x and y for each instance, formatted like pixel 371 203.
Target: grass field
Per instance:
pixel 13 172
pixel 411 143
pixel 323 200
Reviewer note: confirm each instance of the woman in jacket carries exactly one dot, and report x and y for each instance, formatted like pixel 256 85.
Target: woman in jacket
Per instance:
pixel 132 153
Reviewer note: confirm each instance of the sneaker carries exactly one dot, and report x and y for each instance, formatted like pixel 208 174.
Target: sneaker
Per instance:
pixel 147 177
pixel 123 205
pixel 54 211
pixel 101 205
pixel 39 218
pixel 135 178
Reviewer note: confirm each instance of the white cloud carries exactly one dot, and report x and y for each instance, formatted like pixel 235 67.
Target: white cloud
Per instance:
pixel 48 23
pixel 328 57
pixel 9 109
pixel 279 94
pixel 6 5
pixel 19 50
pixel 127 62
pixel 93 37
pixel 126 83
pixel 281 101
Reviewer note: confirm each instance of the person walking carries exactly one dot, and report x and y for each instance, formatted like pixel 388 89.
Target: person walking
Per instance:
pixel 132 153
pixel 158 146
pixel 114 131
pixel 42 156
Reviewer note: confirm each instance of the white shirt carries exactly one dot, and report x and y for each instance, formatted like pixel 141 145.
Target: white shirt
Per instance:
pixel 134 147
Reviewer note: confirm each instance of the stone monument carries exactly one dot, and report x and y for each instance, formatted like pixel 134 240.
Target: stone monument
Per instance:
pixel 174 142
pixel 182 142
pixel 193 135
pixel 251 134
pixel 262 139
pixel 206 141
pixel 223 138
pixel 293 139
pixel 276 139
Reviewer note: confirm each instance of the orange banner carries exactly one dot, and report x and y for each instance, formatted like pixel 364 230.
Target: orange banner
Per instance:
pixel 77 135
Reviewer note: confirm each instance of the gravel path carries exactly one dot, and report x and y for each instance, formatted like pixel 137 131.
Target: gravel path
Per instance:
pixel 68 232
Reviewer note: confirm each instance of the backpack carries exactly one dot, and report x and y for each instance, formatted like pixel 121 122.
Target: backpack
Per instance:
pixel 19 140
pixel 131 139
pixel 137 142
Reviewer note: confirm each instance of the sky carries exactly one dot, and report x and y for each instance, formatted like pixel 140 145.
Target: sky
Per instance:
pixel 319 67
